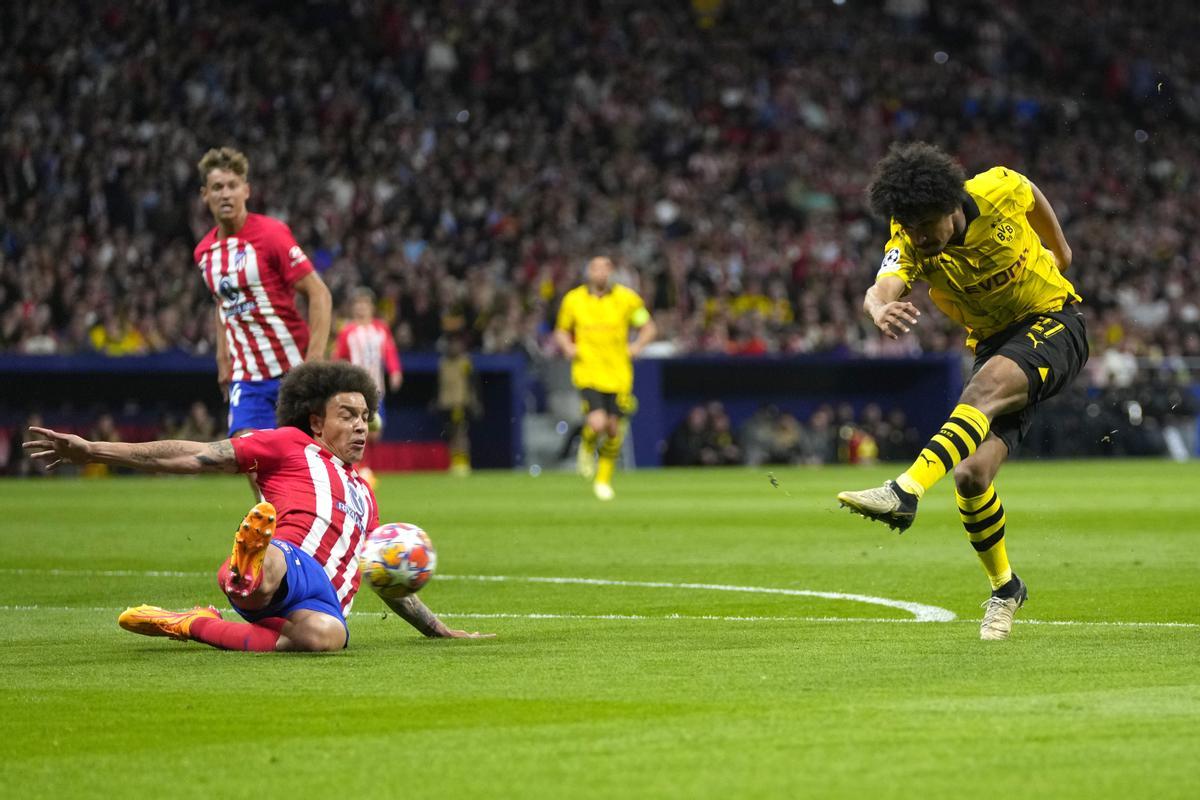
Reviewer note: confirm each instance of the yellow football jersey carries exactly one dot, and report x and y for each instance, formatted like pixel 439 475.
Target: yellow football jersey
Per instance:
pixel 999 273
pixel 600 325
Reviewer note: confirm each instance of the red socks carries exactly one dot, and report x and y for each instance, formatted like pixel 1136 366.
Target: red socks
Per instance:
pixel 258 637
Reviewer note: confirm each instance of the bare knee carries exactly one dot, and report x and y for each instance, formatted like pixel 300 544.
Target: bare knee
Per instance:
pixel 972 478
pixel 598 421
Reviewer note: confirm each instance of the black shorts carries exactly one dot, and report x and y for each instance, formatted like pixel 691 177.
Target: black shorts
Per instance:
pixel 617 405
pixel 1050 348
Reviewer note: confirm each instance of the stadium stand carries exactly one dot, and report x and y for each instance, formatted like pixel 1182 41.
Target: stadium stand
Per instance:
pixel 463 159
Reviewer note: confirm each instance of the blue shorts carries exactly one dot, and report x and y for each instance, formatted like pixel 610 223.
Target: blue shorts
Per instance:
pixel 308 587
pixel 252 405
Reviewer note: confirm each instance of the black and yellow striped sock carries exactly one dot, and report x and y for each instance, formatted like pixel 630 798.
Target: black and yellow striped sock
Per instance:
pixel 983 517
pixel 609 451
pixel 958 438
pixel 587 439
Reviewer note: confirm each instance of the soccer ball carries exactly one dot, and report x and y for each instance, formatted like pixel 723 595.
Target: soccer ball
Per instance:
pixel 397 559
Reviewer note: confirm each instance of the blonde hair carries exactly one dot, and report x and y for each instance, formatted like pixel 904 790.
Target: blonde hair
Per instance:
pixel 224 158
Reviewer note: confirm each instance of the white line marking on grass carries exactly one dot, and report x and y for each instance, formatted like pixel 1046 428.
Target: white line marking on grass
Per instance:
pixel 371 615
pixel 108 573
pixel 1114 624
pixel 718 618
pixel 60 608
pixel 920 611
pixel 681 617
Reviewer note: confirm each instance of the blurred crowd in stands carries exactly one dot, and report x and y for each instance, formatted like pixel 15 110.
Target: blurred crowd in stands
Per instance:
pixel 465 157
pixel 1156 420
pixel 773 436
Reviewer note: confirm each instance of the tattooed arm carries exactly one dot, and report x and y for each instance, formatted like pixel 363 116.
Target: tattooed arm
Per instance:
pixel 53 448
pixel 417 614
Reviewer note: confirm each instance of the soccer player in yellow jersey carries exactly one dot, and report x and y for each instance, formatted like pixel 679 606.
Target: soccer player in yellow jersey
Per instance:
pixel 593 331
pixel 993 254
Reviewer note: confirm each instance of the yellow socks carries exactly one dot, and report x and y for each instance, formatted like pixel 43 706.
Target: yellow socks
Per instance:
pixel 958 438
pixel 587 439
pixel 983 517
pixel 608 456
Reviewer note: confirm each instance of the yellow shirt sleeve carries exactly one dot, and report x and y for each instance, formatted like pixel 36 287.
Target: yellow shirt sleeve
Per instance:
pixel 637 314
pixel 1006 189
pixel 1022 192
pixel 898 259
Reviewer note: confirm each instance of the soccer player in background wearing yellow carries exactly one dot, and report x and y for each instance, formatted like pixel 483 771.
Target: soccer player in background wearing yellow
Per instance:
pixel 993 254
pixel 593 332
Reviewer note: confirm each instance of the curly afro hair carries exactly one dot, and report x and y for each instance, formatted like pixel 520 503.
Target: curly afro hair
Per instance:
pixel 914 181
pixel 307 388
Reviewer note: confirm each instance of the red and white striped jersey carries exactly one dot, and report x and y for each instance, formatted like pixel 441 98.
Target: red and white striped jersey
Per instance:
pixel 252 277
pixel 322 505
pixel 371 347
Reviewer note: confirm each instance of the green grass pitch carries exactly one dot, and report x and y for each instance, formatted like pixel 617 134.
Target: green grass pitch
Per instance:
pixel 623 690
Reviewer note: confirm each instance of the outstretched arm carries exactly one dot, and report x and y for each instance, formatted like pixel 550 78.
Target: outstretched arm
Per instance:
pixel 186 458
pixel 1044 222
pixel 417 614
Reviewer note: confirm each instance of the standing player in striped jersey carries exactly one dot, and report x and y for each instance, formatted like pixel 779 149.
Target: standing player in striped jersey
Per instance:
pixel 294 572
pixel 367 342
pixel 253 268
pixel 993 254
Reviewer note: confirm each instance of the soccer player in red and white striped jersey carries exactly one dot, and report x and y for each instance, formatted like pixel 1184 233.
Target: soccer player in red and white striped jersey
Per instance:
pixel 367 342
pixel 254 268
pixel 294 572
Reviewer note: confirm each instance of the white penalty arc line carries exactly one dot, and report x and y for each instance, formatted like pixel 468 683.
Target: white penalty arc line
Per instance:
pixel 921 612
pixel 367 615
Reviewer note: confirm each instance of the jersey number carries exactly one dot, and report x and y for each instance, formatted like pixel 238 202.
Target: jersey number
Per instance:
pixel 1046 328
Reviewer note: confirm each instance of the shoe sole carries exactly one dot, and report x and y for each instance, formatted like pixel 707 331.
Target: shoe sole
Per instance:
pixel 899 525
pixel 250 550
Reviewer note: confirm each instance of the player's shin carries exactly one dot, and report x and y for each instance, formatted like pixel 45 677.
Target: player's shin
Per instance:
pixel 958 438
pixel 610 450
pixel 587 439
pixel 261 636
pixel 983 518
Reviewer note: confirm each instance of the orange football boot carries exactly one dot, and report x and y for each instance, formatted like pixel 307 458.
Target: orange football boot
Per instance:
pixel 155 621
pixel 249 550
